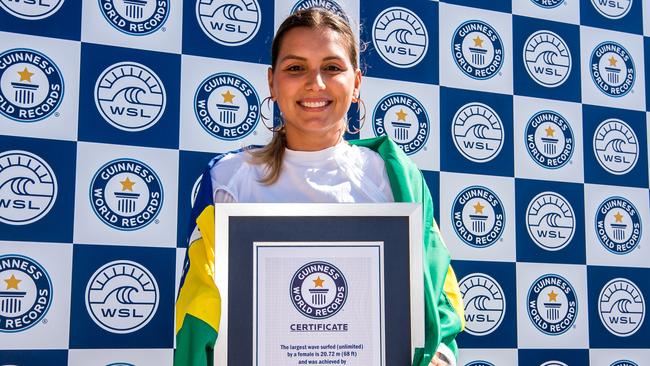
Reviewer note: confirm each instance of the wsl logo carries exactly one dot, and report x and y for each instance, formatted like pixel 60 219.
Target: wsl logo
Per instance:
pixel 618 225
pixel 330 5
pixel 485 304
pixel 616 146
pixel 478 217
pixel 227 106
pixel 612 69
pixel 318 290
pixel 550 221
pixel 135 17
pixel 552 304
pixel 553 363
pixel 122 296
pixel 624 363
pixel 31 85
pixel 126 194
pixel 547 58
pixel 549 139
pixel 25 293
pixel 621 307
pixel 28 188
pixel 548 4
pixel 612 9
pixel 478 132
pixel 130 96
pixel 400 37
pixel 404 119
pixel 477 49
pixel 31 10
pixel 229 22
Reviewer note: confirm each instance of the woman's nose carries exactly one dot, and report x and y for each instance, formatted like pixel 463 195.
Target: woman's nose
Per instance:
pixel 315 81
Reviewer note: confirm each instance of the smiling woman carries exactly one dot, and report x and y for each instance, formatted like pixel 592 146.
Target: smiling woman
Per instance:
pixel 314 78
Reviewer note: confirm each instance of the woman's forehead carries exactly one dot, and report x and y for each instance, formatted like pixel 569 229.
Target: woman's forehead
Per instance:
pixel 306 42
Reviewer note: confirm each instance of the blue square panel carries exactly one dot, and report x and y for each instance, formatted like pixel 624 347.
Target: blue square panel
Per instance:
pixel 36 189
pixel 646 47
pixel 122 297
pixel 615 150
pixel 433 183
pixel 549 222
pixel 237 29
pixel 34 358
pixel 553 357
pixel 476 132
pixel 546 59
pixel 402 40
pixel 620 15
pixel 498 5
pixel 489 296
pixel 53 18
pixel 618 304
pixel 129 97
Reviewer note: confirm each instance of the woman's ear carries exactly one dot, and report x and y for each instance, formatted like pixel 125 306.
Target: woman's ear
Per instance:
pixel 269 77
pixel 357 84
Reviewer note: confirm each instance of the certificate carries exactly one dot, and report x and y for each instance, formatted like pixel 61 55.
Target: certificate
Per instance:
pixel 319 284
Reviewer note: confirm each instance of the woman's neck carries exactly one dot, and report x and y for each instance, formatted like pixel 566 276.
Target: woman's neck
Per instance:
pixel 312 142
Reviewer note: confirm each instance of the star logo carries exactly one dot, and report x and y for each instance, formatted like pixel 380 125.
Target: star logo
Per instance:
pixel 550 132
pixel 318 282
pixel 25 75
pixel 228 97
pixel 478 42
pixel 618 217
pixel 478 208
pixel 401 115
pixel 12 282
pixel 612 61
pixel 127 185
pixel 552 296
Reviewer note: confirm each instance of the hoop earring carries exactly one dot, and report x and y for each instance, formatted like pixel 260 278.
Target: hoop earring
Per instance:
pixel 362 117
pixel 268 101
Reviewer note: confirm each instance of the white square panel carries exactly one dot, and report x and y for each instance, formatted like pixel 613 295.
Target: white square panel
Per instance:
pixel 567 11
pixel 118 198
pixel 42 295
pixel 121 357
pixel 543 153
pixel 607 357
pixel 646 17
pixel 496 356
pixel 566 305
pixel 409 113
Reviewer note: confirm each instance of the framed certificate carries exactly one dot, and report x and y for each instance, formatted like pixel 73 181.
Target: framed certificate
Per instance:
pixel 319 284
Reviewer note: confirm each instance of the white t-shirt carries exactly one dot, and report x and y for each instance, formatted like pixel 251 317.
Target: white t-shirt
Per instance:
pixel 342 173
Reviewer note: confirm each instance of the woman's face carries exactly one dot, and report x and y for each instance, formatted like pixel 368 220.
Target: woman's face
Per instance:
pixel 313 83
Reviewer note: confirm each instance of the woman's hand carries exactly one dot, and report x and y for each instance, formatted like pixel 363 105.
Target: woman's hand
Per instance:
pixel 437 360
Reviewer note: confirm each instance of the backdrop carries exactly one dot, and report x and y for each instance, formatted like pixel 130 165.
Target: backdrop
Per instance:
pixel 528 119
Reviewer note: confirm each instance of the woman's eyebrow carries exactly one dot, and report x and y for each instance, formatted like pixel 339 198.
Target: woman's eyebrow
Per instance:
pixel 300 58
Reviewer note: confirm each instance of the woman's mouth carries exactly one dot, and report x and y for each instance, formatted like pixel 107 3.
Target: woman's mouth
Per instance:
pixel 314 104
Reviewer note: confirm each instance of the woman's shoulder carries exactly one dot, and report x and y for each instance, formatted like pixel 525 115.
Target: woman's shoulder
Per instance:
pixel 229 166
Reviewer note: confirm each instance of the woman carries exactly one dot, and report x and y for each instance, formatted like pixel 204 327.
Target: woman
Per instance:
pixel 314 79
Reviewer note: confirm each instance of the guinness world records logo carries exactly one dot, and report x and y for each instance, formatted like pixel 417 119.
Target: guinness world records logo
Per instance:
pixel 329 5
pixel 31 10
pixel 548 4
pixel 552 304
pixel 477 49
pixel 618 225
pixel 318 290
pixel 549 139
pixel 478 217
pixel 25 293
pixel 135 17
pixel 624 363
pixel 480 363
pixel 227 106
pixel 621 307
pixel 126 194
pixel 31 85
pixel 612 69
pixel 404 119
pixel 229 22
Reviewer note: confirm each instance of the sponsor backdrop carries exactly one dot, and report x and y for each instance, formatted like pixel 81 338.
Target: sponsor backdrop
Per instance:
pixel 529 119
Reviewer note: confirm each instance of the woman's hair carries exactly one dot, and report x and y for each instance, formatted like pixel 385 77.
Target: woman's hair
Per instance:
pixel 313 18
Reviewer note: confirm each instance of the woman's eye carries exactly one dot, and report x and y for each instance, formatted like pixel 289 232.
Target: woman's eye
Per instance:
pixel 294 68
pixel 332 68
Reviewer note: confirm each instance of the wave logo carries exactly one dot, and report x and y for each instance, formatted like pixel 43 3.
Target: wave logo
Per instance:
pixel 552 304
pixel 553 363
pixel 31 10
pixel 616 146
pixel 485 304
pixel 329 5
pixel 612 69
pixel 31 85
pixel 135 17
pixel 400 37
pixel 404 119
pixel 618 225
pixel 126 194
pixel 624 363
pixel 621 307
pixel 478 217
pixel 122 296
pixel 547 58
pixel 229 22
pixel 549 139
pixel 318 290
pixel 548 4
pixel 25 293
pixel 612 9
pixel 550 221
pixel 227 106
pixel 28 188
pixel 477 49
pixel 477 132
pixel 130 96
